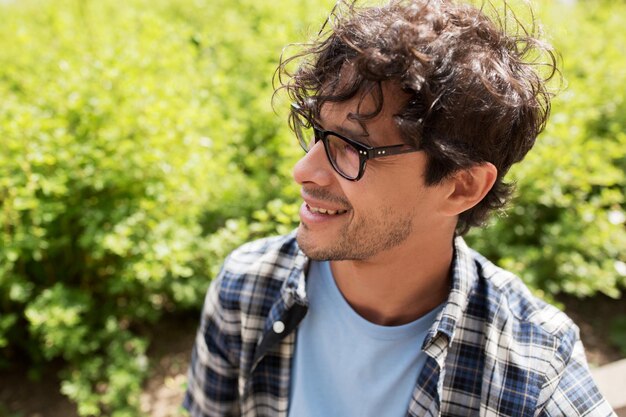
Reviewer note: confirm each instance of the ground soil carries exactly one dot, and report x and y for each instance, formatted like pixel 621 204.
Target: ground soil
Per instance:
pixel 169 356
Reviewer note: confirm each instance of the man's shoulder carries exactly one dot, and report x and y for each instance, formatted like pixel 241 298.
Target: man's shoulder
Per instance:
pixel 532 357
pixel 530 319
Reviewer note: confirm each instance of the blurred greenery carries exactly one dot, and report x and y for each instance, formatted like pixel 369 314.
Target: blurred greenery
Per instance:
pixel 137 138
pixel 566 231
pixel 139 147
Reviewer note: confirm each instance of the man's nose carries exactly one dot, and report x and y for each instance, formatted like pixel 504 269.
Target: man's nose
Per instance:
pixel 314 167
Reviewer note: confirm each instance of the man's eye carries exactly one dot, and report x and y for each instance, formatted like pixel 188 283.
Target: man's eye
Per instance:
pixel 349 149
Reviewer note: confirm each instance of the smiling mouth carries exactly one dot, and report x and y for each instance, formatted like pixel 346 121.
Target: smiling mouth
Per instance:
pixel 325 211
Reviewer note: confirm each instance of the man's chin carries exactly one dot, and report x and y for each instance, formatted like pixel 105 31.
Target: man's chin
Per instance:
pixel 312 248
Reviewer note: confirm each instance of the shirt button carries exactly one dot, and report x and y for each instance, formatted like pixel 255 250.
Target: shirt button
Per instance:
pixel 278 327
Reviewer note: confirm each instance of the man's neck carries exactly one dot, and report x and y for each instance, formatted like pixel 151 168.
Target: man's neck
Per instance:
pixel 399 285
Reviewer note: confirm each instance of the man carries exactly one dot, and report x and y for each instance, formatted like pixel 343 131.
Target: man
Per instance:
pixel 410 114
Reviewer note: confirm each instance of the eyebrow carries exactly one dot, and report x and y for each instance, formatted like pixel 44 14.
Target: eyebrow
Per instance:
pixel 364 138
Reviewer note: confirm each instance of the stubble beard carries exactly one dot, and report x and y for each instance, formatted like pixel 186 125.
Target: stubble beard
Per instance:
pixel 358 242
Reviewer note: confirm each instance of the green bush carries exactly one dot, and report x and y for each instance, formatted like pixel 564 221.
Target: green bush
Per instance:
pixel 131 133
pixel 565 231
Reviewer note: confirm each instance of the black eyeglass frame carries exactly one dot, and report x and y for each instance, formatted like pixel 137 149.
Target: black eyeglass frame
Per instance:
pixel 365 152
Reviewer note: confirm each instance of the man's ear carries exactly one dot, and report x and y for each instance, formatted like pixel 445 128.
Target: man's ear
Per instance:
pixel 469 186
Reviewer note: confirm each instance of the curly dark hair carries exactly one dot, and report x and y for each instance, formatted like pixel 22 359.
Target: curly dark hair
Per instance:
pixel 478 93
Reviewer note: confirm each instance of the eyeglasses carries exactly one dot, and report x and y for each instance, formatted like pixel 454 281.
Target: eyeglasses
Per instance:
pixel 347 157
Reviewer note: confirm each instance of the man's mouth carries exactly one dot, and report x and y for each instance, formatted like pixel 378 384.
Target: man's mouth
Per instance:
pixel 325 211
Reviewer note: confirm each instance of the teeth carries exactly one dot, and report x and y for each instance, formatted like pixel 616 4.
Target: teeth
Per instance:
pixel 325 211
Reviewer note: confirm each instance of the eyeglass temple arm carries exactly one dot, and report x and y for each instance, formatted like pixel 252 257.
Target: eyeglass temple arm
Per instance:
pixel 391 150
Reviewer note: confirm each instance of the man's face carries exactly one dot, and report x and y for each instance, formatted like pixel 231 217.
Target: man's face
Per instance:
pixel 389 207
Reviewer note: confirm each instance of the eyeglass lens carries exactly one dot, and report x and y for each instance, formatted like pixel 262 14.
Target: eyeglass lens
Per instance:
pixel 343 157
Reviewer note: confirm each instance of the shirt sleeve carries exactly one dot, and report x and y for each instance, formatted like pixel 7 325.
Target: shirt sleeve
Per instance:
pixel 213 373
pixel 573 392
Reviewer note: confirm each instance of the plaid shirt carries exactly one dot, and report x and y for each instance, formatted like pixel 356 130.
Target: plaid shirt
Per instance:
pixel 494 350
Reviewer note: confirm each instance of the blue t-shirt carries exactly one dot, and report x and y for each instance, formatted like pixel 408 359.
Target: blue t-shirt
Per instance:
pixel 346 366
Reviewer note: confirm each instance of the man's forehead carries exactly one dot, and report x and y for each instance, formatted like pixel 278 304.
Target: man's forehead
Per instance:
pixel 350 113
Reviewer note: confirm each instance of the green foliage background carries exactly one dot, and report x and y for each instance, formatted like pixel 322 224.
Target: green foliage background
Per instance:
pixel 566 231
pixel 138 147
